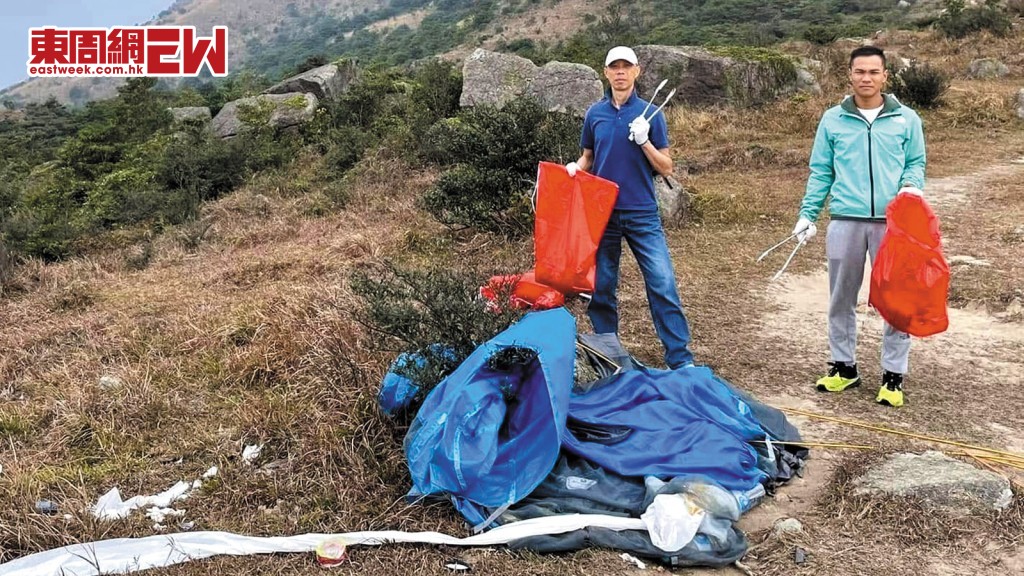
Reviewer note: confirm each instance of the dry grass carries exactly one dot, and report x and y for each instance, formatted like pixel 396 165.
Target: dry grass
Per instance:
pixel 848 534
pixel 240 331
pixel 997 240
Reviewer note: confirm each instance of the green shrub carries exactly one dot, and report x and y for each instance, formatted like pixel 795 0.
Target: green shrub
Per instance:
pixel 202 165
pixel 345 147
pixel 492 200
pixel 958 20
pixel 820 34
pixel 428 311
pixel 46 222
pixel 124 196
pixel 919 86
pixel 493 154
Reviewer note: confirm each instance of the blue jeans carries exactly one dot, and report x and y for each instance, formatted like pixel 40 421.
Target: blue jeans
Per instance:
pixel 646 238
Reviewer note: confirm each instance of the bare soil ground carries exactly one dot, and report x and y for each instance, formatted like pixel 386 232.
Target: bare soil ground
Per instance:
pixel 244 333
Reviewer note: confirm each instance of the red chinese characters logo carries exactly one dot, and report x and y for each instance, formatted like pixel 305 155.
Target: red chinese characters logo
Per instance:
pixel 139 51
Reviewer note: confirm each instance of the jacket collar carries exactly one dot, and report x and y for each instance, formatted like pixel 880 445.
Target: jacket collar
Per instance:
pixel 889 105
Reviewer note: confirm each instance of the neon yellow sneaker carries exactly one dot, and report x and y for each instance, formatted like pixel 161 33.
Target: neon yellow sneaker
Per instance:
pixel 891 392
pixel 840 377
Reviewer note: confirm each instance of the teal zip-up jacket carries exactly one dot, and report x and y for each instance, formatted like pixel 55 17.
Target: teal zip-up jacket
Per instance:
pixel 862 166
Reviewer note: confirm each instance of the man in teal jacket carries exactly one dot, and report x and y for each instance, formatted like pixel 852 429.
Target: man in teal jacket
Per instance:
pixel 867 150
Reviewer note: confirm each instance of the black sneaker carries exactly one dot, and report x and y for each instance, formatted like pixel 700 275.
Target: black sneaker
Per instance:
pixel 891 392
pixel 840 377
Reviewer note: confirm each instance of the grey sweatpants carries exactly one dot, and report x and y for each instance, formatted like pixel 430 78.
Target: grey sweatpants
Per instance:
pixel 847 244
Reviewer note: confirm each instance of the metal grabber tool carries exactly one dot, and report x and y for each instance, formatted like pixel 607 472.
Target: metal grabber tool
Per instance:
pixel 791 254
pixel 658 109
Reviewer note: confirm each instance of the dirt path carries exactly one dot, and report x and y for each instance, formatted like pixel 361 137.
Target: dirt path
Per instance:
pixel 964 383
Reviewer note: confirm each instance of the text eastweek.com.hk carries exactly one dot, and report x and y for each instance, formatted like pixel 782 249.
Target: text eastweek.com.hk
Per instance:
pixel 174 51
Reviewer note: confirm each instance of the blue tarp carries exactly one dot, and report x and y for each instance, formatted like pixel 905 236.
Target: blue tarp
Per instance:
pixel 670 423
pixel 487 436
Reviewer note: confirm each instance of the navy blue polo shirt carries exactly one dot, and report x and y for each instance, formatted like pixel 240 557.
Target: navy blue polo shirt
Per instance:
pixel 616 157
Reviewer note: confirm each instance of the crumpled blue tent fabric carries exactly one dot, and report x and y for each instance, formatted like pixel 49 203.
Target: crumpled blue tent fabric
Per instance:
pixel 667 423
pixel 397 392
pixel 488 437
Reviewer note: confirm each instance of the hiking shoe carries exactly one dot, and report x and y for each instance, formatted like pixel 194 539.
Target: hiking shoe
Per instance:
pixel 891 392
pixel 840 377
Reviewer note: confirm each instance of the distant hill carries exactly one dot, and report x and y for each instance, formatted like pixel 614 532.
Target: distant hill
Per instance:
pixel 272 37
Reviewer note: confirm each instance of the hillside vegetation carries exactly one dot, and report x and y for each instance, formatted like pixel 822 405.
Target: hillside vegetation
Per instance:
pixel 270 38
pixel 169 298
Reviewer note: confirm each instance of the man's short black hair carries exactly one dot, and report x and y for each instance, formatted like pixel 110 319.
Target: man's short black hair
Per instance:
pixel 867 51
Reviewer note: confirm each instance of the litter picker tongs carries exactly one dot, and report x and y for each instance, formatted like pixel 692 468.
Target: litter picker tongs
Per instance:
pixel 658 109
pixel 791 254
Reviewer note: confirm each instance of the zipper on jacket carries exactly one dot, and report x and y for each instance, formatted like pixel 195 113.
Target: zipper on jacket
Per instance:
pixel 871 171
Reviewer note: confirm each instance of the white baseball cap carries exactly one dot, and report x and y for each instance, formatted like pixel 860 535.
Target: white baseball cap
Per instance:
pixel 621 53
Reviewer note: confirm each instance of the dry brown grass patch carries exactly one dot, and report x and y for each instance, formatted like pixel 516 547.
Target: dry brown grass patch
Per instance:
pixel 998 240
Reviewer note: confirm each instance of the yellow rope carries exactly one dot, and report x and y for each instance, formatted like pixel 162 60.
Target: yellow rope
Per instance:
pixel 1006 461
pixel 983 462
pixel 1007 455
pixel 822 445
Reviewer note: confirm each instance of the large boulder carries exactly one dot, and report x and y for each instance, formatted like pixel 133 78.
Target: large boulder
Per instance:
pixel 939 482
pixel 984 68
pixel 565 87
pixel 702 77
pixel 275 110
pixel 496 79
pixel 325 82
pixel 673 201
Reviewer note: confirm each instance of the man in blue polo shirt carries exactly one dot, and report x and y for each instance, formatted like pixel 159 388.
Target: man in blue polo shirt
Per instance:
pixel 620 145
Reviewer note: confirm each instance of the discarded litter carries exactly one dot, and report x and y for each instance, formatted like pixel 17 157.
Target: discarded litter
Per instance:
pixel 251 453
pixel 46 507
pixel 457 565
pixel 633 560
pixel 331 552
pixel 799 556
pixel 158 514
pixel 111 506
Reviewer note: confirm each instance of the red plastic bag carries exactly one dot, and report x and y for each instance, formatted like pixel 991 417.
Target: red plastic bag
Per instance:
pixel 910 277
pixel 520 291
pixel 571 217
pixel 538 296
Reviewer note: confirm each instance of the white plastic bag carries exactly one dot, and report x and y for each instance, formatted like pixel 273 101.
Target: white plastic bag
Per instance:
pixel 672 521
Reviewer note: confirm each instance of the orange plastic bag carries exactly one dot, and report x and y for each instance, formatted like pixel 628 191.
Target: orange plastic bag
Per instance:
pixel 521 291
pixel 910 277
pixel 571 217
pixel 538 296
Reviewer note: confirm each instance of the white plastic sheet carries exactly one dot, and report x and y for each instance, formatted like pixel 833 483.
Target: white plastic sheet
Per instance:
pixel 124 555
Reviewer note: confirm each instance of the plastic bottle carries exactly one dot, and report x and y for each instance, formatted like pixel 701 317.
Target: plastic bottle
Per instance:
pixel 750 498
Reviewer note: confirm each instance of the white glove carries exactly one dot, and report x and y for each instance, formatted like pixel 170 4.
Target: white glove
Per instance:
pixel 640 130
pixel 911 190
pixel 804 229
pixel 571 168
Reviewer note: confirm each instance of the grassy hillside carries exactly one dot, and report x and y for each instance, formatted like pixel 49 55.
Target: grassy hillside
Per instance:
pixel 230 308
